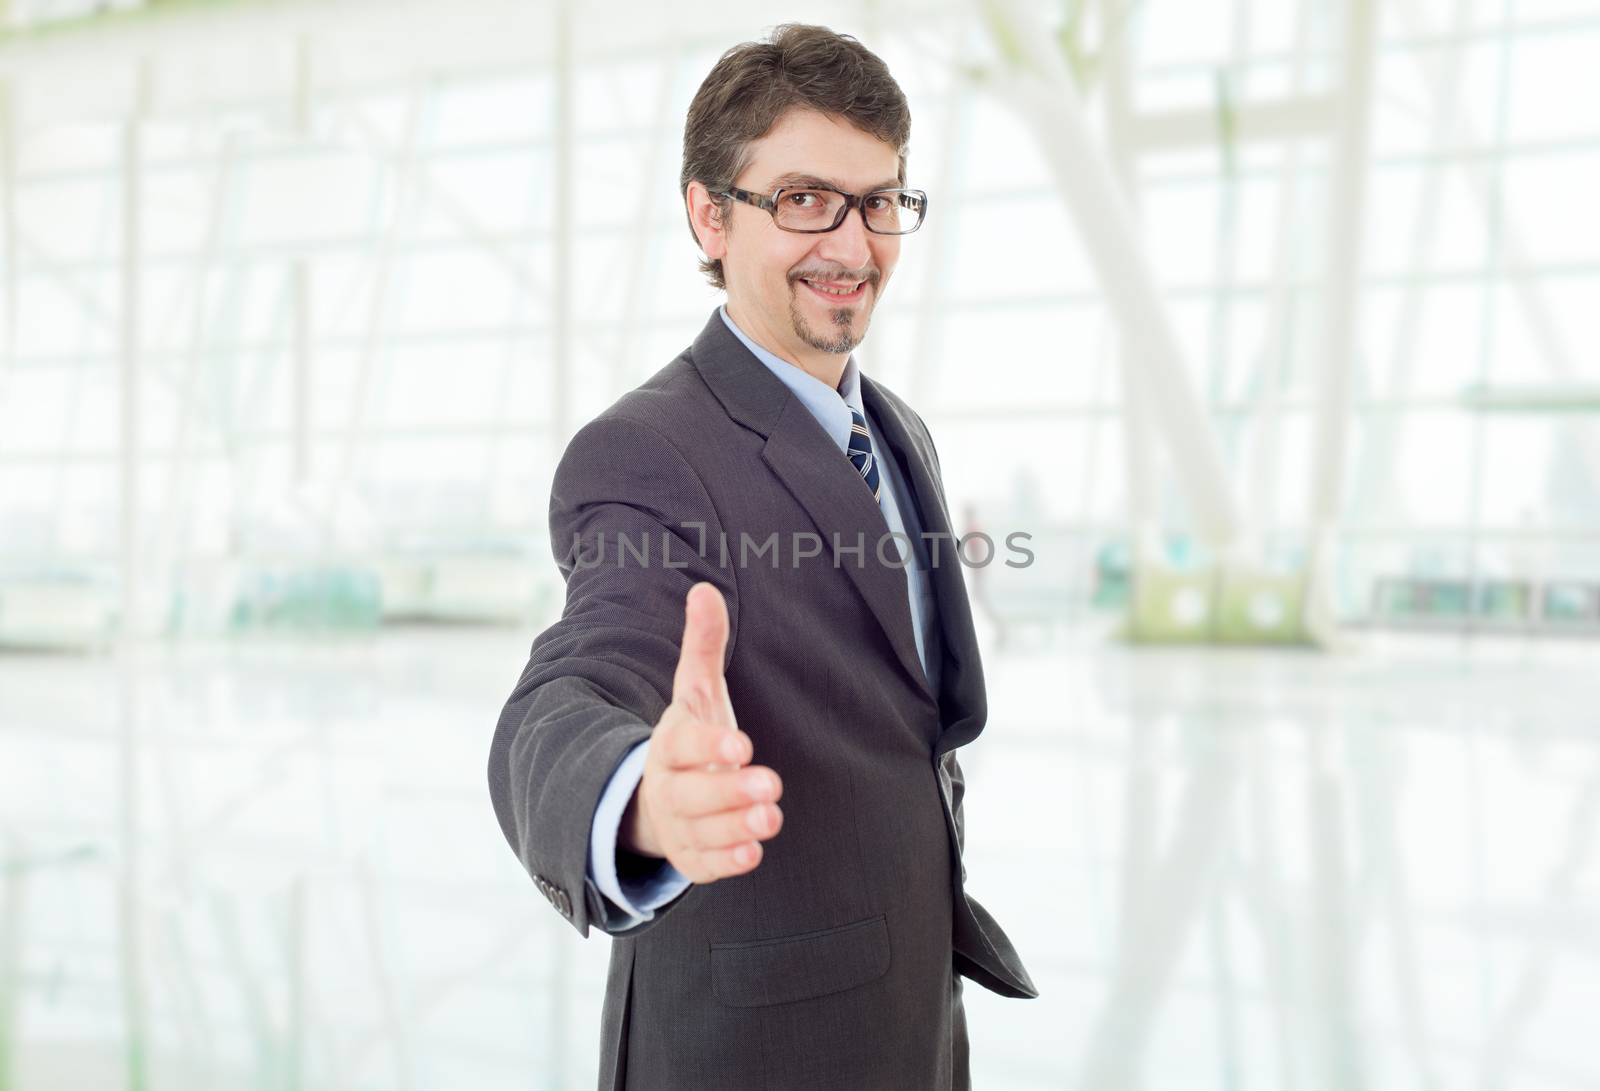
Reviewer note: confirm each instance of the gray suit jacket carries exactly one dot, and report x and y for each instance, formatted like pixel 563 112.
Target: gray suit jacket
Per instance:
pixel 833 964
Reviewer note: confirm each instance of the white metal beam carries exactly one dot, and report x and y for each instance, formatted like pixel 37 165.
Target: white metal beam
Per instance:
pixel 1263 461
pixel 130 365
pixel 130 917
pixel 1138 434
pixel 300 285
pixel 8 233
pixel 639 261
pixel 561 252
pixel 404 174
pixel 183 467
pixel 1046 98
pixel 1341 304
pixel 928 337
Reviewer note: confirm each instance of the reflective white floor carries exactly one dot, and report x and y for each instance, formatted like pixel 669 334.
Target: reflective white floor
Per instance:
pixel 1226 869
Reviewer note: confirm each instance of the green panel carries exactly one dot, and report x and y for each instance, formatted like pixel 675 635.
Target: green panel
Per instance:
pixel 1261 608
pixel 1217 606
pixel 1171 607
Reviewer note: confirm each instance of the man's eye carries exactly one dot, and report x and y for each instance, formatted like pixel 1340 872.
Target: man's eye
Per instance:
pixel 877 203
pixel 802 200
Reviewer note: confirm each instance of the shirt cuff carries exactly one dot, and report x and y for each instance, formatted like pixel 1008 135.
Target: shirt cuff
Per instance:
pixel 638 896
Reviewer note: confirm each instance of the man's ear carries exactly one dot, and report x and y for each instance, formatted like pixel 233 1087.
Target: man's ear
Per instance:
pixel 706 219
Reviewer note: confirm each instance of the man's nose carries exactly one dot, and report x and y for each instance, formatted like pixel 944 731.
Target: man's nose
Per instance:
pixel 849 244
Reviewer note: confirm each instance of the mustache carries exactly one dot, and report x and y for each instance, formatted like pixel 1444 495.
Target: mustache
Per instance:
pixel 870 275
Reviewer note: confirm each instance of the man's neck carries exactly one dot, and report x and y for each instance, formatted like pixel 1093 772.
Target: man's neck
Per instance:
pixel 824 367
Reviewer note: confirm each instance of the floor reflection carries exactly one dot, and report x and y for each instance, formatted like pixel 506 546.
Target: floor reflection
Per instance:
pixel 277 866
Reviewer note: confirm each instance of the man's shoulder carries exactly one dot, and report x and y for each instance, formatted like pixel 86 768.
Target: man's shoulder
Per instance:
pixel 665 401
pixel 673 406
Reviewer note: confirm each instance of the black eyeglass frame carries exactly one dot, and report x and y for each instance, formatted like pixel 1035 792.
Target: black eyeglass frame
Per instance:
pixel 915 199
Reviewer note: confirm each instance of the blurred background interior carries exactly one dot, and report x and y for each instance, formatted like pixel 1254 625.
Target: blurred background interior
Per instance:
pixel 1274 324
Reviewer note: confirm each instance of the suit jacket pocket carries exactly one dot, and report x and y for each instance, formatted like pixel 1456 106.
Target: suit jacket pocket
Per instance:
pixel 801 966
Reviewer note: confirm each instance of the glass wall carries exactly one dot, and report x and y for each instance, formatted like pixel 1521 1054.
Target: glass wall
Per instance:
pixel 299 308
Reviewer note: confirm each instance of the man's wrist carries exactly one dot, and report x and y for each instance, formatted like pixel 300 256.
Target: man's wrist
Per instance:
pixel 631 837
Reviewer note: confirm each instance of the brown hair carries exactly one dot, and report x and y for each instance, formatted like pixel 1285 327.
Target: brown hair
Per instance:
pixel 754 84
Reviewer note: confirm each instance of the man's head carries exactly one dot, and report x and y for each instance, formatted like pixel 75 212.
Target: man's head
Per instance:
pixel 808 106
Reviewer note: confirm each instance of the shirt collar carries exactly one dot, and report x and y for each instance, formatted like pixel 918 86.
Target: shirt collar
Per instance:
pixel 831 407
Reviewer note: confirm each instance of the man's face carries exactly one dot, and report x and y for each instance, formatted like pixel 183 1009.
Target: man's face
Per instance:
pixel 778 281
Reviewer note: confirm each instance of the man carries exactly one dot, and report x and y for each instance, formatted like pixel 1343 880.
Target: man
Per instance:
pixel 763 604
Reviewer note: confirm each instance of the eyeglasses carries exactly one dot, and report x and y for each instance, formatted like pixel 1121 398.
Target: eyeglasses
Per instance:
pixel 812 210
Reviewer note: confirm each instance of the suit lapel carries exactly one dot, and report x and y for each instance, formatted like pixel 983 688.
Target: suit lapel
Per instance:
pixel 820 478
pixel 809 464
pixel 964 703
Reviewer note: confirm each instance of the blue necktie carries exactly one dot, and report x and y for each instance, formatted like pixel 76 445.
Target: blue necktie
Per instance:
pixel 860 452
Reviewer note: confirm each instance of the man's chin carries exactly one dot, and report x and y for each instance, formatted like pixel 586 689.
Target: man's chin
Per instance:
pixel 817 318
pixel 836 346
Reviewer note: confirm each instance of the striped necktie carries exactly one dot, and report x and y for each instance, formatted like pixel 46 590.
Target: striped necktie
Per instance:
pixel 860 452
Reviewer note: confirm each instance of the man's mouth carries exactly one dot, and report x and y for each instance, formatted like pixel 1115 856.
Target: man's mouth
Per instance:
pixel 837 291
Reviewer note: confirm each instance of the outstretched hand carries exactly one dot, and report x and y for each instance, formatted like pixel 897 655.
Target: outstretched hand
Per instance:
pixel 700 803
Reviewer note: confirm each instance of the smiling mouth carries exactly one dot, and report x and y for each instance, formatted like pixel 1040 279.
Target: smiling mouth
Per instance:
pixel 844 293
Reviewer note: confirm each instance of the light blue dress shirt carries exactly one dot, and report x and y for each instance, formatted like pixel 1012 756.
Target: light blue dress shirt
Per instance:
pixel 636 902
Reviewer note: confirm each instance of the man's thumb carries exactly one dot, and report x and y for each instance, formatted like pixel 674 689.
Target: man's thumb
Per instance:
pixel 698 680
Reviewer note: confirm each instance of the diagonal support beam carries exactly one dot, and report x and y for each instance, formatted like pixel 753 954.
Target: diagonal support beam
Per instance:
pixel 1041 89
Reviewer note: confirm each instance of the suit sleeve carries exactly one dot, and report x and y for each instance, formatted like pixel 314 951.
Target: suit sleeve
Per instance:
pixel 630 528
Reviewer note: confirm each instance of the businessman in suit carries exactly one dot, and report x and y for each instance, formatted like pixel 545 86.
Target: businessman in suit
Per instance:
pixel 735 751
